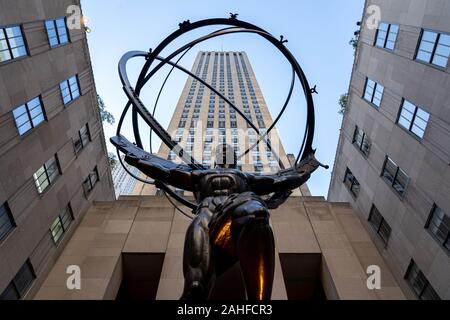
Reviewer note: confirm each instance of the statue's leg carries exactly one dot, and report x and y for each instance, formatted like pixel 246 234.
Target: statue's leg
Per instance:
pixel 255 246
pixel 197 258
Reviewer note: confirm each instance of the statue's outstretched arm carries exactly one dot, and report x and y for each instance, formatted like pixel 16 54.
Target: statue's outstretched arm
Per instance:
pixel 285 180
pixel 176 175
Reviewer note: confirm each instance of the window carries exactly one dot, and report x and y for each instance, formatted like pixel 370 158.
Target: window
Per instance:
pixel 57 32
pixel 386 35
pixel 434 48
pixel 12 45
pixel 46 174
pixel 420 284
pixel 395 176
pixel 6 221
pixel 20 284
pixel 379 224
pixel 413 119
pixel 29 115
pixel 90 181
pixel 373 92
pixel 258 168
pixel 69 89
pixel 361 140
pixel 61 224
pixel 194 123
pixel 82 139
pixel 351 183
pixel 439 225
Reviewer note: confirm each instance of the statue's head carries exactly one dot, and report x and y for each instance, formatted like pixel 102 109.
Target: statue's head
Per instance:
pixel 225 157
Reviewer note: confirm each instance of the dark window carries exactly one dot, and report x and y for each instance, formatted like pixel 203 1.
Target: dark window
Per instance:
pixel 46 174
pixel 90 181
pixel 395 176
pixel 29 115
pixel 413 119
pixel 57 32
pixel 379 224
pixel 434 48
pixel 61 224
pixel 351 182
pixel 69 89
pixel 373 92
pixel 182 124
pixel 258 168
pixel 420 284
pixel 82 139
pixel 361 140
pixel 386 35
pixel 6 221
pixel 439 225
pixel 12 45
pixel 19 285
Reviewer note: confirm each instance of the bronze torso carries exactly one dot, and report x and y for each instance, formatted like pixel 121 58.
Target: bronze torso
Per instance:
pixel 218 183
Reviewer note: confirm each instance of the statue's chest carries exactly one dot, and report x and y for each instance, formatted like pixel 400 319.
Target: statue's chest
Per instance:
pixel 221 184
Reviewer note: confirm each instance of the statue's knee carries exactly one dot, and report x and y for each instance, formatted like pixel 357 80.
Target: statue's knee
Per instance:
pixel 252 213
pixel 253 209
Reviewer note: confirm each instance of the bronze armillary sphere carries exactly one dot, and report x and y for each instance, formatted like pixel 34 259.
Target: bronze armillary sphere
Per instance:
pixel 230 217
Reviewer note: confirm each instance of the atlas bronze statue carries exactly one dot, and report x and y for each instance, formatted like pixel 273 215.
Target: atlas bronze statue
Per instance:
pixel 230 215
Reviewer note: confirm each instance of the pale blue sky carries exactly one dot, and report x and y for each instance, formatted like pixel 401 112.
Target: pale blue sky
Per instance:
pixel 318 33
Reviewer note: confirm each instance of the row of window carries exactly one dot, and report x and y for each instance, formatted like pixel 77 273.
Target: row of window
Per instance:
pixel 43 178
pixel 47 174
pixel 22 281
pixel 438 225
pixel 30 114
pixel 221 124
pixel 20 284
pixel 438 222
pixel 433 48
pixel 12 41
pixel 410 117
pixel 391 173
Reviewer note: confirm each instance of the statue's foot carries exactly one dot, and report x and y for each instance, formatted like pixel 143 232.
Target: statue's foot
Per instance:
pixel 195 291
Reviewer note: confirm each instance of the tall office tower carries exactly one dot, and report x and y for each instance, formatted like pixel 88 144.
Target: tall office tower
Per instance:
pixel 123 183
pixel 393 156
pixel 202 120
pixel 53 162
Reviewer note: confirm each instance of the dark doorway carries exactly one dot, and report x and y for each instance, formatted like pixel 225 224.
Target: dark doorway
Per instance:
pixel 301 273
pixel 141 274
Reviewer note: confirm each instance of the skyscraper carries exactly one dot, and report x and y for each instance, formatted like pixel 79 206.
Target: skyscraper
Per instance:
pixel 53 162
pixel 123 183
pixel 202 120
pixel 392 161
